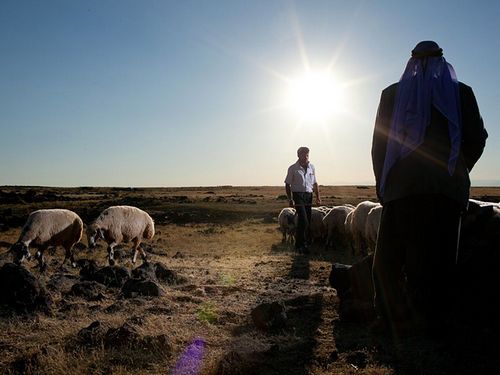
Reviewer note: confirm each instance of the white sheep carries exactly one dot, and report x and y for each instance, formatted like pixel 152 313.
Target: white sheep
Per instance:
pixel 358 224
pixel 118 224
pixel 287 224
pixel 50 227
pixel 317 229
pixel 334 223
pixel 371 227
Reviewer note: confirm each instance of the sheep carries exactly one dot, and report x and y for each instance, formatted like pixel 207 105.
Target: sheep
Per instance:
pixel 358 223
pixel 334 224
pixel 317 229
pixel 117 224
pixel 371 227
pixel 48 227
pixel 287 224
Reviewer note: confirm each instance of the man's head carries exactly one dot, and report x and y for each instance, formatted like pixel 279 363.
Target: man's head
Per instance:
pixel 303 154
pixel 427 48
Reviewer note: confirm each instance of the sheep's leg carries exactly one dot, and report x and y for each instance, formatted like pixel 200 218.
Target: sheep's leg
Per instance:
pixel 69 254
pixel 111 254
pixel 41 261
pixel 143 255
pixel 136 243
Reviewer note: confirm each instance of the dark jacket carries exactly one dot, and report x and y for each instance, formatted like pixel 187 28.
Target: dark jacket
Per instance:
pixel 425 170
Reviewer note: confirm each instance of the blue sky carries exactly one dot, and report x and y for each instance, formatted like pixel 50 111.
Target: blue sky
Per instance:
pixel 193 93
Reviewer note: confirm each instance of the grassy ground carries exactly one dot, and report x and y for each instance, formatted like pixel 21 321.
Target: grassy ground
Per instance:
pixel 224 241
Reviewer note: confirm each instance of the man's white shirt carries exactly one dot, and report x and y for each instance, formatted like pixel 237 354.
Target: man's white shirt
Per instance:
pixel 300 179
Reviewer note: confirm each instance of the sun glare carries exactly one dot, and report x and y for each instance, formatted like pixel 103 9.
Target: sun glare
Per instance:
pixel 315 96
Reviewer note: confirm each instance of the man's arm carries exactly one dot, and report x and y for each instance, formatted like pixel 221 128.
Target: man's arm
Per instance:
pixel 288 190
pixel 316 192
pixel 473 132
pixel 381 133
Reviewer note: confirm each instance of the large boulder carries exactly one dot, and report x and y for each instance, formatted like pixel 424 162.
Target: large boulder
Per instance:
pixel 355 289
pixel 353 281
pixel 21 290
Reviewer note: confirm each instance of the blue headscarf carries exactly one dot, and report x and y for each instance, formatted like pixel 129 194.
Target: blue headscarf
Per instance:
pixel 427 81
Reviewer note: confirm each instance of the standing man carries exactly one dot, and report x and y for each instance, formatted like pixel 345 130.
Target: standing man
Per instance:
pixel 300 183
pixel 428 135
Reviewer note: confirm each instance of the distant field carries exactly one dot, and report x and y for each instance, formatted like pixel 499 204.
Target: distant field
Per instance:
pixel 224 243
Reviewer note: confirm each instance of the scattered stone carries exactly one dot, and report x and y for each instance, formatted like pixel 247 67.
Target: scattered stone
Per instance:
pixel 62 283
pixel 127 336
pixel 112 276
pixel 159 310
pixel 93 335
pixel 136 287
pixel 136 320
pixel 146 271
pixel 269 316
pixel 157 272
pixel 90 290
pixel 115 307
pixel 88 268
pixel 168 276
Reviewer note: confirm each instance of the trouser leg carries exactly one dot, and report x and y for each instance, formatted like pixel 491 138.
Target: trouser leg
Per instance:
pixel 302 205
pixel 308 202
pixel 431 250
pixel 389 257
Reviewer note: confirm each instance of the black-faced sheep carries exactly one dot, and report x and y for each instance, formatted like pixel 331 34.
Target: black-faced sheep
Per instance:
pixel 44 228
pixel 118 224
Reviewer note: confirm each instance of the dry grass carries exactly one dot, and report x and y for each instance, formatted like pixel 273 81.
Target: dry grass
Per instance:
pixel 225 242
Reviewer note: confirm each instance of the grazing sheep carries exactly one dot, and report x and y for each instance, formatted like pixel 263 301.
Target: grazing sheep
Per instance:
pixel 371 227
pixel 483 203
pixel 287 223
pixel 334 224
pixel 316 227
pixel 117 224
pixel 358 223
pixel 44 228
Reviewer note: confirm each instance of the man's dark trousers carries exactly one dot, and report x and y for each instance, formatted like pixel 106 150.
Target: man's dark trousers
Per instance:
pixel 417 238
pixel 303 203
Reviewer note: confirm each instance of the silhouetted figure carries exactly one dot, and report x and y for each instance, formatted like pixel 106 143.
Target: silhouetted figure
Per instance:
pixel 428 135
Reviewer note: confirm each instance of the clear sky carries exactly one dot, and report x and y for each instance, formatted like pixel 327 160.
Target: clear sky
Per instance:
pixel 198 93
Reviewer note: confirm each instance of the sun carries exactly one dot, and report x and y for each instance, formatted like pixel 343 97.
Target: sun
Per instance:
pixel 315 96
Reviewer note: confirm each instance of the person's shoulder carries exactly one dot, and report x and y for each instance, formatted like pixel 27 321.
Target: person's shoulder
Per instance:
pixel 463 87
pixel 466 93
pixel 391 89
pixel 389 93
